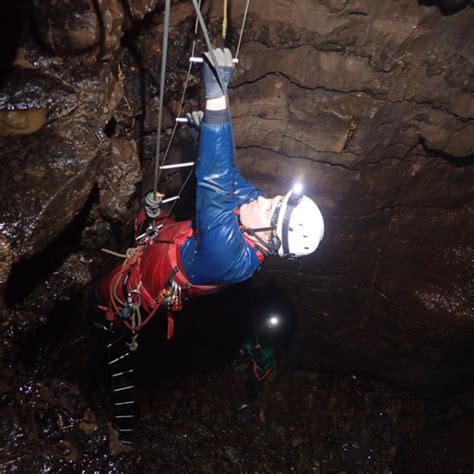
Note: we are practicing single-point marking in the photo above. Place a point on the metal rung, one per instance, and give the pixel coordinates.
(114, 342)
(124, 416)
(119, 358)
(174, 198)
(177, 165)
(123, 441)
(124, 403)
(123, 388)
(125, 430)
(118, 374)
(181, 120)
(194, 59)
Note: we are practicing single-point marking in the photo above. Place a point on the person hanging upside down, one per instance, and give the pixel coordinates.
(235, 229)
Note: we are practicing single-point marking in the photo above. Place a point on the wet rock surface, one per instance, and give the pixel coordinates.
(300, 422)
(373, 108)
(372, 103)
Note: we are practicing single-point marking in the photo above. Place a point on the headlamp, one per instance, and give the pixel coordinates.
(297, 188)
(296, 194)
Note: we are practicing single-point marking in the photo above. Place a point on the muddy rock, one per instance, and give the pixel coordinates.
(139, 8)
(29, 98)
(21, 122)
(6, 260)
(117, 185)
(79, 27)
(378, 124)
(55, 185)
(31, 309)
(371, 104)
(111, 12)
(67, 26)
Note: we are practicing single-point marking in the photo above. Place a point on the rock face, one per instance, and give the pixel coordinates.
(370, 103)
(372, 106)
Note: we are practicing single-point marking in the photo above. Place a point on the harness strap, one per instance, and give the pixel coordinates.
(257, 369)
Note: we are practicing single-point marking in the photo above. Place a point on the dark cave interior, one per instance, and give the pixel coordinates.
(374, 105)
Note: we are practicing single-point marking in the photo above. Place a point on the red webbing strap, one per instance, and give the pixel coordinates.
(258, 377)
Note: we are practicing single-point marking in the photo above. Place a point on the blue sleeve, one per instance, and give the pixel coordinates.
(218, 253)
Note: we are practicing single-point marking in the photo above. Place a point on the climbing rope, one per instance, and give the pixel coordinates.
(181, 103)
(242, 28)
(164, 54)
(199, 22)
(224, 20)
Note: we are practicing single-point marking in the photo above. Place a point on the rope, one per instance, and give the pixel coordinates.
(116, 254)
(224, 20)
(164, 54)
(242, 28)
(181, 190)
(183, 97)
(199, 21)
(219, 76)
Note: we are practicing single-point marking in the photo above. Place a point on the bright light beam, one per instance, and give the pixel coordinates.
(297, 188)
(274, 320)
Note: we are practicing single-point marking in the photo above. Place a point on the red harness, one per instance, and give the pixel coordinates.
(147, 275)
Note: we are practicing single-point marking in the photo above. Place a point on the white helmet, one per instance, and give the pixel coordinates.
(299, 225)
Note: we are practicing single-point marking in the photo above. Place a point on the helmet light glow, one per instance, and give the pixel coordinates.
(274, 321)
(297, 188)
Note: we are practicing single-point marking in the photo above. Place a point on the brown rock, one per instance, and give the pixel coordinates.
(56, 170)
(67, 26)
(118, 179)
(21, 122)
(139, 8)
(370, 105)
(111, 12)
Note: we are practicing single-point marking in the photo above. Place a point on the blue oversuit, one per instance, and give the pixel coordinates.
(218, 254)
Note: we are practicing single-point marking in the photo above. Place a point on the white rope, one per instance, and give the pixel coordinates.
(242, 28)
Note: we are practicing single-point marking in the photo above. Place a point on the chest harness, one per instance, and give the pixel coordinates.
(135, 288)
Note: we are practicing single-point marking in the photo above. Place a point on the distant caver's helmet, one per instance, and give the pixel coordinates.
(299, 225)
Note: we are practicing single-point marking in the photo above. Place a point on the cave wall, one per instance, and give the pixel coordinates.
(370, 103)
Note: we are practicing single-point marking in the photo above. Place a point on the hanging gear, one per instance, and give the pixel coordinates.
(151, 278)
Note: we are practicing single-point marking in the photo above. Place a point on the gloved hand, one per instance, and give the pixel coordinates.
(194, 122)
(209, 74)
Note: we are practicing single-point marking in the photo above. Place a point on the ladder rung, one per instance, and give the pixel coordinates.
(124, 403)
(124, 416)
(174, 198)
(118, 374)
(123, 388)
(177, 165)
(119, 358)
(181, 120)
(114, 342)
(199, 60)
